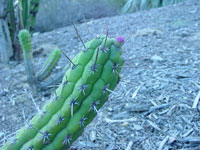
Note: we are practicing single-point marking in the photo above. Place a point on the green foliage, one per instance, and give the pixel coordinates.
(35, 80)
(29, 11)
(84, 89)
(21, 15)
(136, 5)
(26, 44)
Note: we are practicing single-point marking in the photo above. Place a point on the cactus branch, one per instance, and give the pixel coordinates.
(26, 44)
(51, 81)
(35, 82)
(49, 65)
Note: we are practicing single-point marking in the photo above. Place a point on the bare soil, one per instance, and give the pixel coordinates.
(155, 105)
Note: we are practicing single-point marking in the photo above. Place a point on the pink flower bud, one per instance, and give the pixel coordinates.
(120, 39)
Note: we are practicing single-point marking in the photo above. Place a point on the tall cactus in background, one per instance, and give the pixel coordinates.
(93, 74)
(29, 11)
(6, 49)
(20, 15)
(11, 20)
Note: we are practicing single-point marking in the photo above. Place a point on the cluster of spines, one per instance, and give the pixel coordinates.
(82, 92)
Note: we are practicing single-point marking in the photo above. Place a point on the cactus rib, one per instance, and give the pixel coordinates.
(84, 89)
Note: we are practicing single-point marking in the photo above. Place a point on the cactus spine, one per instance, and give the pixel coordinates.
(84, 89)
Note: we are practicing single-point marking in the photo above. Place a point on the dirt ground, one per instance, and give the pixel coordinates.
(156, 104)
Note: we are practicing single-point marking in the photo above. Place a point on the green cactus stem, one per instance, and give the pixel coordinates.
(11, 20)
(49, 65)
(26, 44)
(29, 11)
(25, 10)
(34, 7)
(33, 80)
(84, 89)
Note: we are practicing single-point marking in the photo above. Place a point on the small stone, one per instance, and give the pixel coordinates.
(148, 31)
(156, 58)
(3, 118)
(184, 34)
(2, 134)
(93, 135)
(110, 109)
(125, 124)
(137, 127)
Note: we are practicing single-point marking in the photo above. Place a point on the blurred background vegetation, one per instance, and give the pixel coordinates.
(47, 15)
(59, 13)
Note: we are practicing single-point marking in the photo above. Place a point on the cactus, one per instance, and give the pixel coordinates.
(34, 7)
(35, 80)
(25, 40)
(6, 49)
(11, 20)
(18, 15)
(84, 89)
(49, 65)
(29, 11)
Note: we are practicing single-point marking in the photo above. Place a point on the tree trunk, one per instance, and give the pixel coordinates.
(6, 50)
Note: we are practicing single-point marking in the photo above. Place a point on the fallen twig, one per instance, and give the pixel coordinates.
(119, 121)
(196, 100)
(154, 108)
(163, 142)
(136, 91)
(190, 141)
(155, 126)
(130, 144)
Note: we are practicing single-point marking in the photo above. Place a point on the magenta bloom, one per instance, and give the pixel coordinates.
(120, 39)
